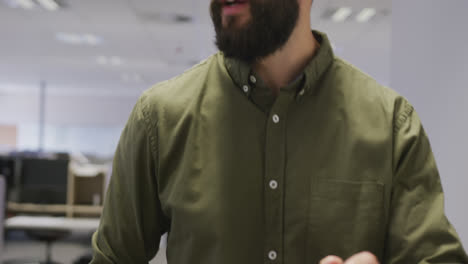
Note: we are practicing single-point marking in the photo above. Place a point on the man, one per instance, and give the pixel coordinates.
(274, 151)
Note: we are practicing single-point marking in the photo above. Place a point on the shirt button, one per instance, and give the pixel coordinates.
(276, 119)
(273, 184)
(272, 255)
(245, 88)
(253, 79)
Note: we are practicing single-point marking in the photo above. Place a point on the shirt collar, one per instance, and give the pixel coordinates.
(244, 78)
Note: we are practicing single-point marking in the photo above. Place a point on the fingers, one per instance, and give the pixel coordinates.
(362, 258)
(331, 260)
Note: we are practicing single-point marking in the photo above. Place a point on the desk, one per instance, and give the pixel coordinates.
(50, 223)
(24, 208)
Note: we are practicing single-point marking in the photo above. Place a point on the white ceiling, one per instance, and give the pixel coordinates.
(150, 46)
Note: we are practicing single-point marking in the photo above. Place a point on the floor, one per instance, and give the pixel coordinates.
(66, 251)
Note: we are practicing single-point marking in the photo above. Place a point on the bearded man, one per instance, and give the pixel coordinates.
(274, 151)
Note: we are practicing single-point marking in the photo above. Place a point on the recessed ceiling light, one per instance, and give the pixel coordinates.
(102, 60)
(91, 39)
(165, 18)
(69, 38)
(115, 61)
(25, 4)
(342, 14)
(136, 78)
(50, 5)
(78, 39)
(366, 14)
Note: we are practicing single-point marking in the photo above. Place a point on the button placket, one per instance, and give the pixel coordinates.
(275, 158)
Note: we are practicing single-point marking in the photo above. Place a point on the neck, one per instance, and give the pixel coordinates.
(285, 65)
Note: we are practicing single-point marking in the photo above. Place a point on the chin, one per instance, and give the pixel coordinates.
(233, 22)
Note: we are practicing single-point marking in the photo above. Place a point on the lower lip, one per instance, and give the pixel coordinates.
(235, 9)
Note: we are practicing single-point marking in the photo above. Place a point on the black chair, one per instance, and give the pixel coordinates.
(45, 236)
(84, 259)
(8, 168)
(48, 237)
(2, 211)
(43, 181)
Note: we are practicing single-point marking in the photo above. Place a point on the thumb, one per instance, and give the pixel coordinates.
(362, 258)
(331, 260)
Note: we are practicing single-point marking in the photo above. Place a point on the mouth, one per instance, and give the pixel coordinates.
(233, 2)
(234, 7)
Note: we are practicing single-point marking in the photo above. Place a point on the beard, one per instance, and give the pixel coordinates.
(271, 24)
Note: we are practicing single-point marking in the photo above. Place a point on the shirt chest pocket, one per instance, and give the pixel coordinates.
(344, 218)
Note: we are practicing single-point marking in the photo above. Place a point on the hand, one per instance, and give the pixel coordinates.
(360, 258)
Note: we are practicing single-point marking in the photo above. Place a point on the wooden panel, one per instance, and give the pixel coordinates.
(54, 209)
(83, 209)
(36, 208)
(88, 190)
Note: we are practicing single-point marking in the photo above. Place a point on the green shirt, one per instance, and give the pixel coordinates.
(335, 164)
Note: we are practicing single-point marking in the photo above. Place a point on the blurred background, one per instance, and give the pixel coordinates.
(71, 71)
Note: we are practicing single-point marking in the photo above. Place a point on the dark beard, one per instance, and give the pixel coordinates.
(272, 23)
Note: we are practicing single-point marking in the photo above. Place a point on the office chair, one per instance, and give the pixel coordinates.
(2, 212)
(43, 181)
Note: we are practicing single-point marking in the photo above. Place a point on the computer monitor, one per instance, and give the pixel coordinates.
(43, 181)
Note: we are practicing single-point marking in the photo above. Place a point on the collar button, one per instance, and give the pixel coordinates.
(253, 79)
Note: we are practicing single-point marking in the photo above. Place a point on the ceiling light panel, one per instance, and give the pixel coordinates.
(135, 78)
(50, 5)
(78, 39)
(102, 60)
(91, 39)
(25, 4)
(112, 60)
(69, 38)
(342, 14)
(115, 61)
(365, 15)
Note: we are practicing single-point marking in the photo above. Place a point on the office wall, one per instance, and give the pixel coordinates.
(370, 51)
(72, 109)
(89, 123)
(430, 67)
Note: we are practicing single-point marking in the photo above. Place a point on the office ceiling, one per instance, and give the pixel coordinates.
(152, 39)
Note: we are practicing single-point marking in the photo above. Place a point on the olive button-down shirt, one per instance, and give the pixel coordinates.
(334, 164)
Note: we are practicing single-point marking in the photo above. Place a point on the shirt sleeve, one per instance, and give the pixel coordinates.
(132, 221)
(418, 230)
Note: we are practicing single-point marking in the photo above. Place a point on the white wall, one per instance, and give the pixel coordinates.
(89, 123)
(430, 67)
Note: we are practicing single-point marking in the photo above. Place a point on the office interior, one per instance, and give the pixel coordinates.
(71, 72)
